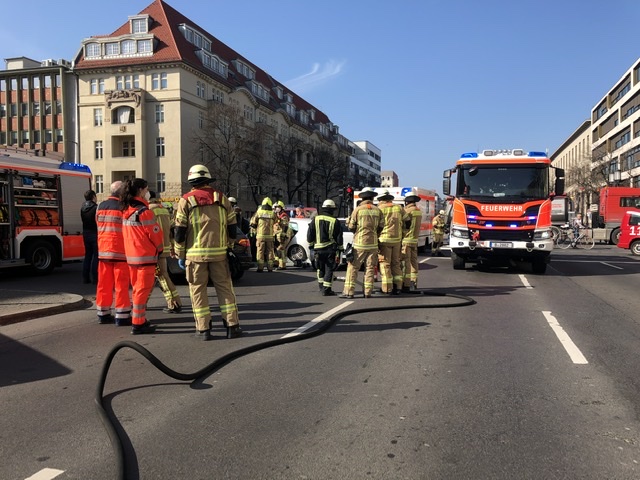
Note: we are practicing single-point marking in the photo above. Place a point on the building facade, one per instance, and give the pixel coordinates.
(145, 94)
(389, 178)
(38, 107)
(365, 165)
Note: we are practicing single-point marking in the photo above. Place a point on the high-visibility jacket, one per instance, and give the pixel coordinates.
(110, 239)
(280, 226)
(143, 237)
(438, 224)
(204, 215)
(324, 232)
(263, 221)
(365, 223)
(412, 220)
(392, 222)
(163, 217)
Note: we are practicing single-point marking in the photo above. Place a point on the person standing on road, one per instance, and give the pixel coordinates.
(325, 237)
(391, 244)
(242, 222)
(143, 242)
(262, 223)
(438, 224)
(412, 220)
(113, 271)
(89, 237)
(280, 230)
(205, 225)
(365, 223)
(169, 290)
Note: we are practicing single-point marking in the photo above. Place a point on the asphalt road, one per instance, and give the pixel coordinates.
(537, 379)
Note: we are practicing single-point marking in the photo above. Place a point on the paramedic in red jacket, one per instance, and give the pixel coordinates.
(143, 240)
(113, 272)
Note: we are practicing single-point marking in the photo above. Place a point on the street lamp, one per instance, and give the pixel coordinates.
(615, 178)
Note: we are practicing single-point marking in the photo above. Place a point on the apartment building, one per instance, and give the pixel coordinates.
(38, 107)
(615, 130)
(144, 91)
(366, 164)
(389, 178)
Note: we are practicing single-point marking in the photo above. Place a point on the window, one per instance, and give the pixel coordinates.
(126, 82)
(93, 86)
(3, 85)
(36, 108)
(59, 136)
(47, 108)
(92, 50)
(47, 81)
(160, 113)
(36, 136)
(3, 110)
(248, 112)
(35, 81)
(200, 119)
(97, 148)
(129, 148)
(161, 185)
(160, 147)
(112, 48)
(58, 107)
(25, 83)
(13, 110)
(123, 115)
(3, 138)
(139, 25)
(101, 85)
(144, 46)
(158, 81)
(48, 138)
(97, 117)
(128, 46)
(25, 136)
(13, 137)
(99, 185)
(14, 83)
(24, 109)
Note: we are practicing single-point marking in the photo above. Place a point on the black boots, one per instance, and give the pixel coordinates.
(234, 332)
(146, 327)
(204, 335)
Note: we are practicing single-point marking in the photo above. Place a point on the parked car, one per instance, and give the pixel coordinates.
(298, 250)
(241, 248)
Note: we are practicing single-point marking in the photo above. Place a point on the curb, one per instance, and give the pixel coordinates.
(44, 311)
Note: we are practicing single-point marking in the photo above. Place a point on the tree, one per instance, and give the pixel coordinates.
(287, 153)
(330, 171)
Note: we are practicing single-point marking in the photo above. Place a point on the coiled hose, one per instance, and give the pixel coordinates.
(115, 439)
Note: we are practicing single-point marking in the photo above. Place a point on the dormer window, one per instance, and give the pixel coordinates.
(139, 24)
(289, 98)
(112, 48)
(312, 114)
(245, 70)
(279, 92)
(92, 50)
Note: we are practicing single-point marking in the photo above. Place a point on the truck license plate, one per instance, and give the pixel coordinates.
(501, 245)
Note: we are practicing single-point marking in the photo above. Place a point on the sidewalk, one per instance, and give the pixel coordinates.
(19, 305)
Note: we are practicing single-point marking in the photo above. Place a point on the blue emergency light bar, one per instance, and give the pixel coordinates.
(78, 167)
(516, 152)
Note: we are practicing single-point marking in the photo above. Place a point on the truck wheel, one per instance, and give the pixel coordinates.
(615, 236)
(41, 257)
(538, 267)
(457, 260)
(635, 247)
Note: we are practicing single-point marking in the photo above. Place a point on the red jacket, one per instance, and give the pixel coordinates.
(143, 238)
(110, 239)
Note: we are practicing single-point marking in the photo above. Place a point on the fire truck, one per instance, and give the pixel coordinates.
(501, 212)
(614, 203)
(630, 232)
(40, 200)
(427, 205)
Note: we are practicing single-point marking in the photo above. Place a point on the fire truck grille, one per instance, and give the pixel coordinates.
(506, 235)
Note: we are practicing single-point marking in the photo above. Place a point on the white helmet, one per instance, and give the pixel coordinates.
(199, 174)
(233, 200)
(441, 212)
(328, 203)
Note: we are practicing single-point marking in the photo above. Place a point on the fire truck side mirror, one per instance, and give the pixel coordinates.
(559, 185)
(446, 183)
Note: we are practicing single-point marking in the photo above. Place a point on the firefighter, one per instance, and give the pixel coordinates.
(262, 224)
(439, 224)
(325, 237)
(280, 234)
(365, 223)
(412, 220)
(391, 244)
(143, 242)
(242, 222)
(169, 290)
(113, 271)
(205, 225)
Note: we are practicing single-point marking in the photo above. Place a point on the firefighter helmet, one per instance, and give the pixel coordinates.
(233, 200)
(267, 201)
(441, 212)
(386, 195)
(411, 198)
(199, 174)
(367, 193)
(280, 204)
(328, 203)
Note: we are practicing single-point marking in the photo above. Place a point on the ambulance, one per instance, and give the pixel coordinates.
(427, 205)
(40, 200)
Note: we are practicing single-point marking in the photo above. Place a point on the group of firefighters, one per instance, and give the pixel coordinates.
(136, 235)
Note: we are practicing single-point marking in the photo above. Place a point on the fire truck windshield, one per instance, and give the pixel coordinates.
(508, 184)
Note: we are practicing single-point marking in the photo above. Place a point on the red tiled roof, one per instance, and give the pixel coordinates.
(172, 46)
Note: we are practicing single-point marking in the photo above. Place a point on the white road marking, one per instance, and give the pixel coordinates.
(316, 320)
(612, 266)
(45, 474)
(424, 260)
(524, 281)
(574, 352)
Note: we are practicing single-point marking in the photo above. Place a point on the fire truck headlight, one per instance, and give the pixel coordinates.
(460, 233)
(542, 235)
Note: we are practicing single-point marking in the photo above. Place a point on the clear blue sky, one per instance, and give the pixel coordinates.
(424, 80)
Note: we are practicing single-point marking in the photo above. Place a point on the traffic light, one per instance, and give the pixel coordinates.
(348, 193)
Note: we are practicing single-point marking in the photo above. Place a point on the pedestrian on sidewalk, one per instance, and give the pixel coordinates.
(89, 237)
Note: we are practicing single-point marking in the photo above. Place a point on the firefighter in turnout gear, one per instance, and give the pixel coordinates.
(169, 290)
(412, 219)
(280, 234)
(143, 242)
(262, 223)
(391, 244)
(205, 225)
(325, 237)
(439, 225)
(365, 223)
(113, 271)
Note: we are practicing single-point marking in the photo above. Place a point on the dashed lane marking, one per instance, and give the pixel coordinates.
(524, 281)
(45, 474)
(317, 320)
(612, 266)
(574, 352)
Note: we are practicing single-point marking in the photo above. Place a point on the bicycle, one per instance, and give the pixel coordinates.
(567, 239)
